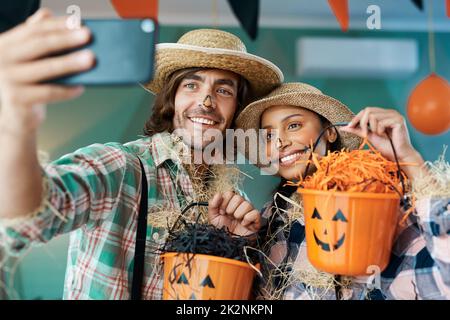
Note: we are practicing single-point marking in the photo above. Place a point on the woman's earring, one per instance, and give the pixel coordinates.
(207, 102)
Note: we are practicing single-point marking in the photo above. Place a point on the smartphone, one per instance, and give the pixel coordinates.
(124, 53)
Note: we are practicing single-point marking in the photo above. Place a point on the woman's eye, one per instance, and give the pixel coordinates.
(269, 136)
(294, 125)
(224, 91)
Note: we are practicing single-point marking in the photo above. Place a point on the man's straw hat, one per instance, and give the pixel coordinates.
(209, 48)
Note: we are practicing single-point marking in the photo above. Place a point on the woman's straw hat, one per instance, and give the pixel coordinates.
(305, 96)
(209, 48)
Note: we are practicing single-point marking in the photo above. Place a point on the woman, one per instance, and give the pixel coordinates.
(294, 115)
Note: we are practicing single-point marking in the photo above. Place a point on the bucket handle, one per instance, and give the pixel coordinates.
(194, 204)
(181, 220)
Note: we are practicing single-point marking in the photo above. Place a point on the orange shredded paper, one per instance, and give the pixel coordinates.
(362, 170)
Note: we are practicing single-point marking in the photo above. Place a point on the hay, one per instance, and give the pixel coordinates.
(434, 181)
(206, 182)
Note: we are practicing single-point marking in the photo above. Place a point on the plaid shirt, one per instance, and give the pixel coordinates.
(95, 192)
(419, 266)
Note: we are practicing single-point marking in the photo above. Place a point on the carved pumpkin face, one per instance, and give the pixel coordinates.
(205, 283)
(323, 231)
(205, 277)
(346, 232)
(193, 286)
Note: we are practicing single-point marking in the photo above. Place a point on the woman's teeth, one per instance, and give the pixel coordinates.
(202, 121)
(291, 157)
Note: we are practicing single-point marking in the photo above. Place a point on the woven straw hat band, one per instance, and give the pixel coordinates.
(213, 39)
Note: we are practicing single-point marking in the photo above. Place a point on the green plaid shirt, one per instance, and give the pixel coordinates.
(95, 194)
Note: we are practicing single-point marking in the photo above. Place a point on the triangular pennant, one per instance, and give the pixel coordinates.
(14, 12)
(340, 10)
(418, 4)
(182, 279)
(136, 9)
(207, 282)
(247, 12)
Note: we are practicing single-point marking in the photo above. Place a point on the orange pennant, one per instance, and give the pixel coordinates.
(135, 9)
(340, 10)
(448, 8)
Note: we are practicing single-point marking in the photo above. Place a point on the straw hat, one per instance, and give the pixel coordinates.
(305, 96)
(209, 48)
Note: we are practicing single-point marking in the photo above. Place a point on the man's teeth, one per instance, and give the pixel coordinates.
(290, 157)
(202, 121)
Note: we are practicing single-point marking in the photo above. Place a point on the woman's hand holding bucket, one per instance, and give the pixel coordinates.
(375, 124)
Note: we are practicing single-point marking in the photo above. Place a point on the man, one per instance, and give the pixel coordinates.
(200, 82)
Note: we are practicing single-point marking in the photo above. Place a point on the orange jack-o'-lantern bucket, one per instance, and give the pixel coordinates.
(349, 233)
(204, 277)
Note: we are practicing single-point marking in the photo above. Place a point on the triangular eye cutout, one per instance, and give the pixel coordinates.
(183, 279)
(339, 216)
(192, 297)
(316, 215)
(207, 282)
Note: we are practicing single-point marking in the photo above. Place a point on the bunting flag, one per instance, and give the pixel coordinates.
(136, 9)
(247, 12)
(448, 8)
(340, 10)
(14, 12)
(418, 4)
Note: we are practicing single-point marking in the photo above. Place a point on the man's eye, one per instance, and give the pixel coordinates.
(190, 85)
(269, 136)
(294, 126)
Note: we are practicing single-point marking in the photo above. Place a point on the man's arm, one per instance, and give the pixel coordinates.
(24, 67)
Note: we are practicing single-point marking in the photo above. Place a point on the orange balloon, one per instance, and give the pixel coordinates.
(429, 105)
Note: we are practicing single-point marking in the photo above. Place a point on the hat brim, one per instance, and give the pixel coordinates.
(262, 74)
(328, 107)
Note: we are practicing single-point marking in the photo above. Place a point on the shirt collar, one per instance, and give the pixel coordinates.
(166, 146)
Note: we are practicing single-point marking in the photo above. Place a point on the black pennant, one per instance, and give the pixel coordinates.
(14, 12)
(247, 12)
(418, 4)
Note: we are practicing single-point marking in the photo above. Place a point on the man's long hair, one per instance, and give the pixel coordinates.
(164, 107)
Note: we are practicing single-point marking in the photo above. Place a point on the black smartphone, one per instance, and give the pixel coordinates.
(124, 53)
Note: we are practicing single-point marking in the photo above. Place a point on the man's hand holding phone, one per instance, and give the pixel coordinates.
(27, 64)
